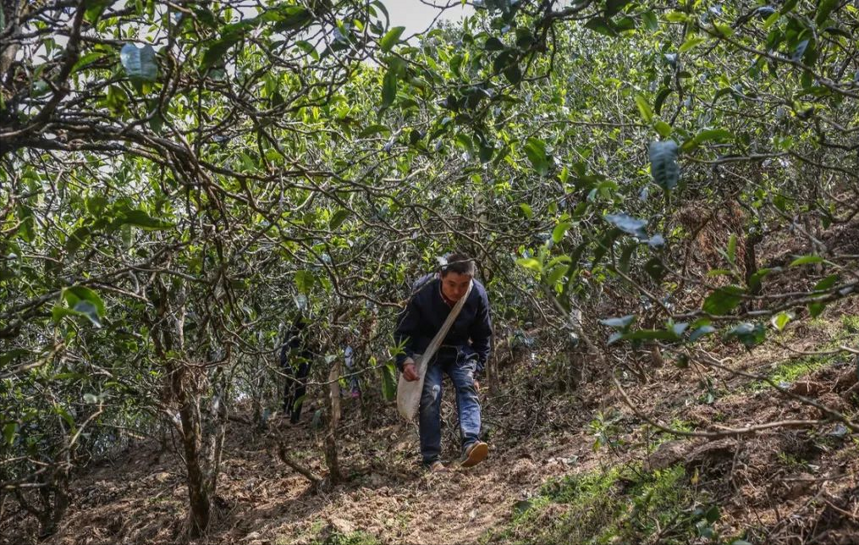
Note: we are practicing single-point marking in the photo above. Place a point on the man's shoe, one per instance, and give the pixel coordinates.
(475, 454)
(437, 467)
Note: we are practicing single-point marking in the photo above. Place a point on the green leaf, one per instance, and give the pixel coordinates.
(628, 224)
(81, 301)
(287, 18)
(700, 332)
(205, 16)
(663, 129)
(788, 6)
(710, 135)
(77, 239)
(85, 60)
(139, 218)
(816, 309)
(771, 20)
(513, 73)
(389, 87)
(806, 260)
(530, 263)
(12, 355)
(626, 257)
(494, 44)
(139, 64)
(559, 259)
(712, 514)
(663, 164)
(750, 335)
(156, 123)
(601, 26)
(304, 282)
(732, 248)
(389, 382)
(526, 209)
(11, 427)
(381, 7)
(825, 8)
(723, 30)
(660, 99)
(535, 149)
(559, 231)
(613, 7)
(215, 53)
(76, 294)
(373, 130)
(780, 320)
(619, 323)
(64, 414)
(94, 10)
(556, 274)
(650, 20)
(691, 43)
(644, 108)
(755, 279)
(338, 218)
(391, 38)
(90, 398)
(655, 269)
(826, 283)
(723, 300)
(464, 142)
(308, 48)
(676, 17)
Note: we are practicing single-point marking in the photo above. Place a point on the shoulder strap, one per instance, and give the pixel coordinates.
(442, 332)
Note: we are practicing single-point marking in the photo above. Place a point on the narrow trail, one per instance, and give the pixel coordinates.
(140, 496)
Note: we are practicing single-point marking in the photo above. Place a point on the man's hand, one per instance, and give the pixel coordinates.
(410, 371)
(476, 386)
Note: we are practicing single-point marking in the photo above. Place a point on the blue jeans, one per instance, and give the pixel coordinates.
(461, 372)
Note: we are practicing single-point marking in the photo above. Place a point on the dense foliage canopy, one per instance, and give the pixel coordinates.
(179, 177)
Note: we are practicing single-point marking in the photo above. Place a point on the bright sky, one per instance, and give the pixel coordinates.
(416, 16)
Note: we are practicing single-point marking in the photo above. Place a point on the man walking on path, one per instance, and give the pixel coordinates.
(462, 354)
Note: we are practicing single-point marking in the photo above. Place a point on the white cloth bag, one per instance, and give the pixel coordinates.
(409, 392)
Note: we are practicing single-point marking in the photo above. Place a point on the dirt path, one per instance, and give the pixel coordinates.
(137, 498)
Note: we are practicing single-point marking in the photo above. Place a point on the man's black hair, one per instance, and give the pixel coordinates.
(459, 263)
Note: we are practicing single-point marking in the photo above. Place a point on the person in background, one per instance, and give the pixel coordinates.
(295, 361)
(354, 385)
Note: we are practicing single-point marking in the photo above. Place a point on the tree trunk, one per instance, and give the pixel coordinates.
(214, 433)
(201, 441)
(189, 413)
(334, 474)
(9, 31)
(53, 502)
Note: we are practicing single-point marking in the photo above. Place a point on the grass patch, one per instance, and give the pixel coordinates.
(850, 325)
(354, 538)
(620, 505)
(321, 533)
(657, 436)
(791, 370)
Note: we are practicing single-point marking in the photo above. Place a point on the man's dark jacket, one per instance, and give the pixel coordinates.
(427, 311)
